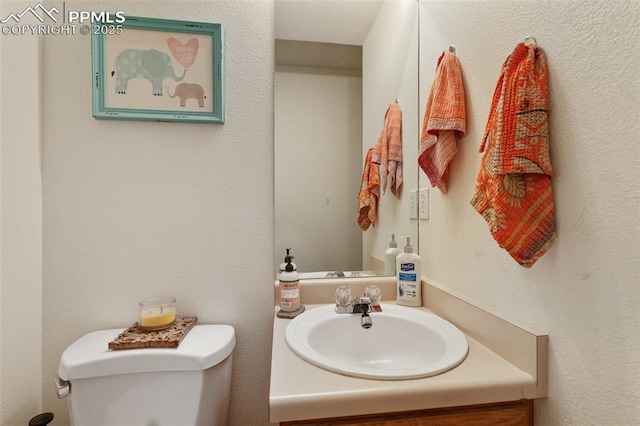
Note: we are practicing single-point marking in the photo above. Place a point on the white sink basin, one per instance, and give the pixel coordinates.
(403, 343)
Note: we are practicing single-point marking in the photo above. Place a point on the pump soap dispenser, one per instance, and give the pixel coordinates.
(390, 256)
(283, 265)
(409, 277)
(289, 292)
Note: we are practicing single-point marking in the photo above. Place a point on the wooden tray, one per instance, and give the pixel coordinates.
(135, 337)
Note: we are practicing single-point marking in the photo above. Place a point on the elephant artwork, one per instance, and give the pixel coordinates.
(188, 91)
(151, 65)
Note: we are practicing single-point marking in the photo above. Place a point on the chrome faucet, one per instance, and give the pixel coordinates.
(359, 305)
(364, 308)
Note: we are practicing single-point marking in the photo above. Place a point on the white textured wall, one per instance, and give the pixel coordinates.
(138, 209)
(318, 144)
(390, 72)
(584, 292)
(20, 228)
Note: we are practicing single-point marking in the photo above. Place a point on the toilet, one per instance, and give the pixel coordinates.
(187, 385)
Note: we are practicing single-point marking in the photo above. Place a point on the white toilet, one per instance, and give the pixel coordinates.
(187, 385)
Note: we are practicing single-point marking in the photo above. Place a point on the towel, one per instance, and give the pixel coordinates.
(513, 190)
(444, 121)
(388, 151)
(369, 192)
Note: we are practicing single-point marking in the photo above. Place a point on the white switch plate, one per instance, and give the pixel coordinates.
(413, 204)
(423, 203)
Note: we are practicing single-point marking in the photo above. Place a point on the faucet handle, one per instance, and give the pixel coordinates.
(373, 292)
(343, 295)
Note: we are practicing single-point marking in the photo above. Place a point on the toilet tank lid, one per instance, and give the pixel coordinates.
(204, 346)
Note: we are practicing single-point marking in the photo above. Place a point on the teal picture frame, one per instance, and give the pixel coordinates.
(158, 70)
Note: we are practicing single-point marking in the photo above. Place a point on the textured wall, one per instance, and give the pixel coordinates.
(584, 292)
(137, 209)
(20, 229)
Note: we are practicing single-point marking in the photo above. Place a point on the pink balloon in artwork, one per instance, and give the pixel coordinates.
(186, 53)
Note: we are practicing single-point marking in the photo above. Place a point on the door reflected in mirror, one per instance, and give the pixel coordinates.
(334, 80)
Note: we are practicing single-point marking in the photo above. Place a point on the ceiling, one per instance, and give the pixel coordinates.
(327, 21)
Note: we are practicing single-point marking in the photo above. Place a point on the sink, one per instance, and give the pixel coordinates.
(403, 343)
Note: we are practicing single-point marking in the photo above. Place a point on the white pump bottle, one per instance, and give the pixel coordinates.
(409, 277)
(390, 256)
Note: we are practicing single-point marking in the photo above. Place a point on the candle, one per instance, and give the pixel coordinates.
(157, 313)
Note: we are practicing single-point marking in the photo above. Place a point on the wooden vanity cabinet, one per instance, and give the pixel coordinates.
(515, 413)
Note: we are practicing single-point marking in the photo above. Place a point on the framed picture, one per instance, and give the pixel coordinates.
(158, 70)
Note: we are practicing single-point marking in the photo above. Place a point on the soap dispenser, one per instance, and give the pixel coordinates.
(289, 288)
(283, 265)
(409, 277)
(390, 256)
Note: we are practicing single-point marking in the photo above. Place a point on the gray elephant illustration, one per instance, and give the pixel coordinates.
(151, 64)
(188, 91)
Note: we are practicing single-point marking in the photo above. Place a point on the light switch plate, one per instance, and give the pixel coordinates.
(413, 204)
(423, 204)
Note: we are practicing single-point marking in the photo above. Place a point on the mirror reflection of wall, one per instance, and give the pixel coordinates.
(318, 134)
(339, 64)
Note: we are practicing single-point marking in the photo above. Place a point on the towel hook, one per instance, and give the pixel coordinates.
(452, 49)
(397, 101)
(530, 40)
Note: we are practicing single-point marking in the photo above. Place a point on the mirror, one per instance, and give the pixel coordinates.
(340, 64)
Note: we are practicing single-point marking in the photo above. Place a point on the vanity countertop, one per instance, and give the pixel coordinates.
(300, 390)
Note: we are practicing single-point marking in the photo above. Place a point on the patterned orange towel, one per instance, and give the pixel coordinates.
(388, 151)
(444, 121)
(369, 192)
(513, 190)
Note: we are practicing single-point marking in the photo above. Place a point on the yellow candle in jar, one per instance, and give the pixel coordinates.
(158, 318)
(157, 313)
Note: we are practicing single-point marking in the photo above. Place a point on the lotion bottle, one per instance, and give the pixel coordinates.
(409, 277)
(390, 256)
(289, 288)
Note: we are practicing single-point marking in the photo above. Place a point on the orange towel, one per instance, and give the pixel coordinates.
(444, 121)
(513, 190)
(369, 192)
(388, 151)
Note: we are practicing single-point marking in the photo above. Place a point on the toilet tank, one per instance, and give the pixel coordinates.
(187, 385)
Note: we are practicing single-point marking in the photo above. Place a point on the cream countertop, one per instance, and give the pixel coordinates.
(300, 390)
